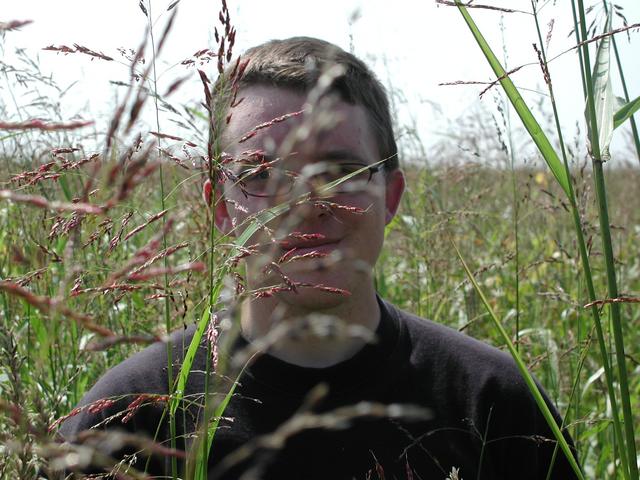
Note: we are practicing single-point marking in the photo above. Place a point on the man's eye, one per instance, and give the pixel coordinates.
(349, 168)
(263, 175)
(250, 176)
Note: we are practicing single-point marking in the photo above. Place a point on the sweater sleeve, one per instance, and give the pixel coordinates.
(479, 389)
(121, 420)
(519, 440)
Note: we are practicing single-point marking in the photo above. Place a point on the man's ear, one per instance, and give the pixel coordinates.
(215, 198)
(393, 193)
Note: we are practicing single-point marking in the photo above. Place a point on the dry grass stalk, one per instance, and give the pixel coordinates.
(145, 224)
(37, 124)
(13, 25)
(49, 305)
(55, 206)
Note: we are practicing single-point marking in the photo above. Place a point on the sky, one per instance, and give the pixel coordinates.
(414, 46)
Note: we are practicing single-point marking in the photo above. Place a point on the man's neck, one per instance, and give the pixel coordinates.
(312, 338)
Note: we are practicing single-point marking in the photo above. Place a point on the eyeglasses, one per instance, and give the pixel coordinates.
(272, 181)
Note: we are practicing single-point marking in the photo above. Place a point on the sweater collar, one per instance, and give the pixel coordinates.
(368, 363)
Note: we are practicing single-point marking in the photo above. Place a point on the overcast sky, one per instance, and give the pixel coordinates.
(413, 45)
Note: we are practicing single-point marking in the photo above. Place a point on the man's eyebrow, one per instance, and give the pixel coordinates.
(339, 155)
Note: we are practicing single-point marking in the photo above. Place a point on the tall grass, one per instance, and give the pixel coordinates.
(600, 115)
(104, 251)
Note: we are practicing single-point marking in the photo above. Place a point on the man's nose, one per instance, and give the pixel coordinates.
(313, 180)
(307, 196)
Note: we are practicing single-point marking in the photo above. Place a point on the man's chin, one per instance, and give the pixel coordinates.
(315, 298)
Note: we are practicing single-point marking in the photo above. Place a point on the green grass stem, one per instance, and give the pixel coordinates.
(586, 265)
(530, 123)
(167, 311)
(605, 232)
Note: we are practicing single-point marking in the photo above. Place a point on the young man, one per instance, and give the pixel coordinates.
(344, 385)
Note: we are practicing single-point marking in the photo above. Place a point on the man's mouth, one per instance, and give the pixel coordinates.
(307, 245)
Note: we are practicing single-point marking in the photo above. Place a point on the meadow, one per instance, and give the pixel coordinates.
(104, 250)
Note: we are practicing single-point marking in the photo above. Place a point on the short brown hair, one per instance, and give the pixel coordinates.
(298, 62)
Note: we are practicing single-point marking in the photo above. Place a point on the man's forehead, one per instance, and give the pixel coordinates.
(267, 115)
(259, 105)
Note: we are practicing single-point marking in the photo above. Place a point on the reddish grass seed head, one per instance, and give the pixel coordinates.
(268, 124)
(300, 236)
(274, 267)
(156, 272)
(42, 202)
(324, 288)
(141, 400)
(72, 413)
(145, 224)
(212, 335)
(267, 292)
(58, 151)
(37, 124)
(243, 253)
(331, 206)
(13, 25)
(287, 256)
(305, 256)
(239, 283)
(160, 255)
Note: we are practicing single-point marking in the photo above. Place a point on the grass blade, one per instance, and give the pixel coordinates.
(634, 127)
(217, 413)
(530, 123)
(603, 94)
(261, 219)
(626, 112)
(605, 231)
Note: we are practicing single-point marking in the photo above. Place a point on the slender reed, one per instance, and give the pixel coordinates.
(605, 232)
(564, 180)
(167, 313)
(586, 266)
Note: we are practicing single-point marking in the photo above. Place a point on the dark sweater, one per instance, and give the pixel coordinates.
(483, 420)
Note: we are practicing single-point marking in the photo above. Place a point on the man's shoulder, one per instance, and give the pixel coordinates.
(439, 348)
(149, 367)
(142, 377)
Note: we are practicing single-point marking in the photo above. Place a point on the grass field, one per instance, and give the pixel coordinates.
(82, 287)
(49, 360)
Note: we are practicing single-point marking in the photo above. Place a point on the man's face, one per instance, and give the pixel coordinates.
(350, 224)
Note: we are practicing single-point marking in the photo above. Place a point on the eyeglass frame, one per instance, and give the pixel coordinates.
(372, 169)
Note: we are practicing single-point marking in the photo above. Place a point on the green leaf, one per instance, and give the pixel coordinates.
(603, 93)
(11, 135)
(185, 369)
(626, 112)
(530, 123)
(198, 113)
(217, 414)
(41, 333)
(65, 188)
(589, 433)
